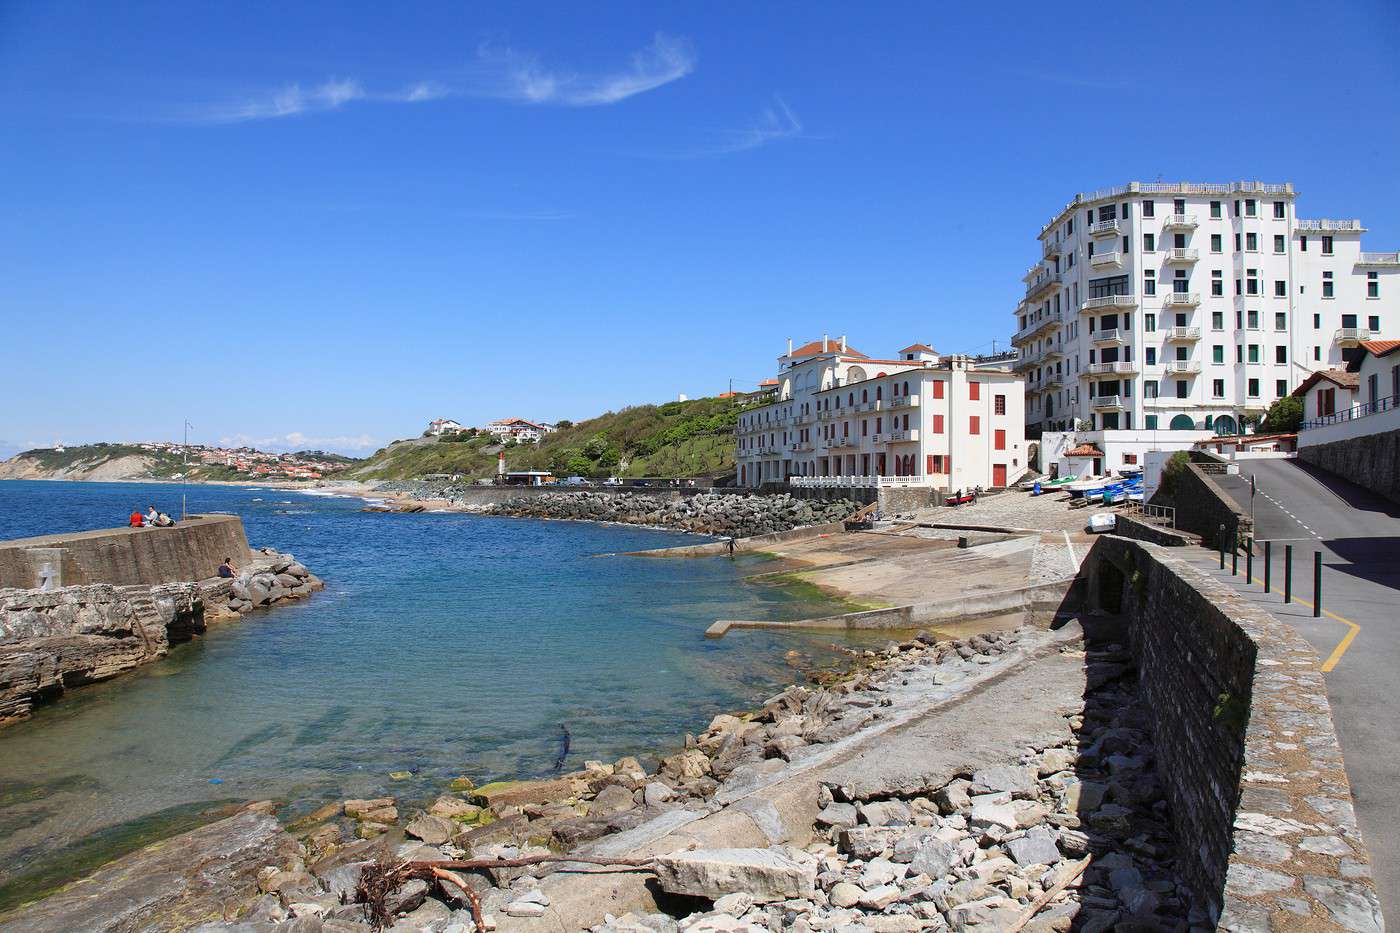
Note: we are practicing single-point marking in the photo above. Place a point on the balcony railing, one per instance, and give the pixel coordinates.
(1183, 255)
(1181, 366)
(1183, 333)
(1122, 367)
(1353, 335)
(1331, 226)
(1052, 352)
(1109, 335)
(1181, 300)
(1379, 259)
(1106, 259)
(1179, 222)
(1109, 301)
(895, 437)
(858, 482)
(1107, 401)
(842, 443)
(1104, 228)
(1043, 285)
(1054, 379)
(1050, 319)
(1027, 362)
(827, 414)
(1365, 409)
(1050, 248)
(904, 401)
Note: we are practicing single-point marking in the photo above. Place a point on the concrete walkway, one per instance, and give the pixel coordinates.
(1358, 632)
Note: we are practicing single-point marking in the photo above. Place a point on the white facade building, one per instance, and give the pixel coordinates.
(524, 432)
(839, 416)
(1191, 307)
(441, 426)
(1374, 406)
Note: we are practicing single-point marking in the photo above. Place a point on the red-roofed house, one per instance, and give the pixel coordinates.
(524, 432)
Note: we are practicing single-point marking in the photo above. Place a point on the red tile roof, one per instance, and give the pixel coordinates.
(918, 346)
(1338, 377)
(1085, 450)
(1380, 347)
(832, 346)
(768, 382)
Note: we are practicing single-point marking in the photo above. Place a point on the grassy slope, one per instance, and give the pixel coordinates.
(689, 438)
(163, 463)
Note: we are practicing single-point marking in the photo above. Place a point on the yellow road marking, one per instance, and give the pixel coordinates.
(1342, 645)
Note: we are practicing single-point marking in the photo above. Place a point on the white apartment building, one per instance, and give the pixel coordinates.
(1191, 307)
(524, 432)
(917, 419)
(440, 426)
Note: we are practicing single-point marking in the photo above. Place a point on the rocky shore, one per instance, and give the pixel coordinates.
(54, 640)
(706, 513)
(1065, 829)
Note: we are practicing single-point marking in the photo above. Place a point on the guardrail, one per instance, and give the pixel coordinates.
(1355, 412)
(856, 482)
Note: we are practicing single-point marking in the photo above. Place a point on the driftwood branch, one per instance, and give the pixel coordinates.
(473, 899)
(1050, 895)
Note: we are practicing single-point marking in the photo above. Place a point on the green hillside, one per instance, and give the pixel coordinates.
(690, 438)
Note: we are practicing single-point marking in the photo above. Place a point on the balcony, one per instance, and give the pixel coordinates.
(800, 447)
(1110, 335)
(896, 437)
(1183, 255)
(1102, 402)
(1052, 353)
(1109, 301)
(1053, 380)
(1051, 319)
(1390, 260)
(1181, 300)
(1044, 286)
(768, 451)
(1183, 333)
(1099, 260)
(843, 443)
(1029, 361)
(1181, 366)
(1120, 368)
(1105, 228)
(1351, 336)
(827, 414)
(904, 401)
(1050, 249)
(1179, 222)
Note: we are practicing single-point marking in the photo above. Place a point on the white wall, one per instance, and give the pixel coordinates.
(1345, 430)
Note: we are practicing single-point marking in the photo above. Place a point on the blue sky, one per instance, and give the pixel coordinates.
(324, 225)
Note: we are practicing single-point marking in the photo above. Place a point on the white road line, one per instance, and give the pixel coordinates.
(1074, 560)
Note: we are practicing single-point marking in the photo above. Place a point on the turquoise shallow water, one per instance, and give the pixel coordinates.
(444, 644)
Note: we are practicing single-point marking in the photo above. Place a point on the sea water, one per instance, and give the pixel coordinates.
(444, 644)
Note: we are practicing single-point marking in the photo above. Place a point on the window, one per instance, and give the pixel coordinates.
(1280, 320)
(974, 424)
(1327, 246)
(1215, 210)
(1317, 321)
(974, 390)
(1151, 356)
(1252, 388)
(1149, 388)
(1373, 285)
(937, 424)
(1317, 353)
(1254, 352)
(1217, 354)
(1109, 285)
(1239, 353)
(1348, 320)
(1217, 320)
(1149, 243)
(1302, 244)
(999, 405)
(1280, 288)
(1281, 356)
(1181, 388)
(1251, 284)
(1373, 323)
(930, 463)
(1127, 248)
(1251, 242)
(1216, 244)
(1280, 387)
(1217, 284)
(1326, 285)
(1179, 240)
(1278, 210)
(1149, 322)
(1238, 244)
(1279, 246)
(1179, 206)
(1149, 208)
(998, 439)
(1251, 208)
(1217, 388)
(1149, 282)
(1253, 319)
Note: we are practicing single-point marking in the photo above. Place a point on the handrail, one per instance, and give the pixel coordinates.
(1354, 413)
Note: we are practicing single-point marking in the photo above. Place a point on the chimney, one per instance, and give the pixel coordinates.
(843, 343)
(789, 353)
(825, 341)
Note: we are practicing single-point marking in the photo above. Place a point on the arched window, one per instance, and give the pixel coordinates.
(1225, 426)
(850, 398)
(864, 396)
(879, 393)
(1183, 423)
(906, 388)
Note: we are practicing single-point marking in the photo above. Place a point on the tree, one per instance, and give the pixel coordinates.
(563, 424)
(1285, 416)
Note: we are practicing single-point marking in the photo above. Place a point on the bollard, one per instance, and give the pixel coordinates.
(1268, 564)
(1221, 539)
(1249, 561)
(1317, 584)
(1288, 573)
(1235, 557)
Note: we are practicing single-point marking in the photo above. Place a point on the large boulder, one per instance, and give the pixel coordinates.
(775, 874)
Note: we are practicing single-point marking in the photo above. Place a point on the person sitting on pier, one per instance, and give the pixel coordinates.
(164, 521)
(152, 516)
(227, 570)
(135, 521)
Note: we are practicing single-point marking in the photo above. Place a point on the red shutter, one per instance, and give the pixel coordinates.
(1000, 442)
(974, 423)
(938, 388)
(938, 419)
(974, 390)
(930, 463)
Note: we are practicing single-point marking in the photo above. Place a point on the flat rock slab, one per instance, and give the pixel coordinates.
(775, 874)
(206, 874)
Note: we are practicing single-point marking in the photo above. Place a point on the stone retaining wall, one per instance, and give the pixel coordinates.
(1371, 460)
(192, 550)
(1140, 529)
(1202, 507)
(1246, 748)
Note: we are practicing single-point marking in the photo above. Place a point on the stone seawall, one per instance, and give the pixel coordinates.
(191, 550)
(1202, 507)
(1371, 460)
(1139, 528)
(1245, 746)
(734, 516)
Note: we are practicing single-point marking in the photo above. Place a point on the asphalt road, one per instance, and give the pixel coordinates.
(1358, 535)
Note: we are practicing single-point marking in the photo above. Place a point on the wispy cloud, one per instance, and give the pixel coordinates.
(499, 73)
(508, 74)
(775, 122)
(296, 440)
